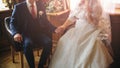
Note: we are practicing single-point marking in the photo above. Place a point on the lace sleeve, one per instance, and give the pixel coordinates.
(100, 19)
(105, 34)
(73, 14)
(105, 25)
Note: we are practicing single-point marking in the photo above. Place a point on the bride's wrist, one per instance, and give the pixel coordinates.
(63, 26)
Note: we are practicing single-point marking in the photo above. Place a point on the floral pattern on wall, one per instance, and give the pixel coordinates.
(54, 6)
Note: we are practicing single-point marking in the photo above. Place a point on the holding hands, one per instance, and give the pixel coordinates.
(60, 29)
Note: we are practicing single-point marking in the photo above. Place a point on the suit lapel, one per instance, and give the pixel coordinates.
(38, 9)
(26, 10)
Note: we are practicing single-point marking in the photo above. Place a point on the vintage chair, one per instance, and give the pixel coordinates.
(13, 49)
(18, 48)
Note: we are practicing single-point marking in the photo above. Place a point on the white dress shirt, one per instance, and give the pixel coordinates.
(29, 7)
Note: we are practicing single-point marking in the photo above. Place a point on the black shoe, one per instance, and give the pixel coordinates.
(40, 66)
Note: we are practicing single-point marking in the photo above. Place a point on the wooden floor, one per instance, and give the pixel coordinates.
(6, 60)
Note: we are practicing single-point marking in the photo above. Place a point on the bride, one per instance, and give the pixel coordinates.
(87, 45)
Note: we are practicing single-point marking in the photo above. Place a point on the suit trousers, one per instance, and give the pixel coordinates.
(29, 43)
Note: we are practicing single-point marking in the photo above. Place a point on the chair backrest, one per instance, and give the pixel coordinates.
(16, 45)
(7, 22)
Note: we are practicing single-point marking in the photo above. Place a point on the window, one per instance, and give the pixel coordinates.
(117, 3)
(2, 5)
(110, 6)
(7, 4)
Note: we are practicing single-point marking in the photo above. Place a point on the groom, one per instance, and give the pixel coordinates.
(30, 26)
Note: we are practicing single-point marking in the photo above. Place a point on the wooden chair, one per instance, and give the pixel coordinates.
(13, 49)
(12, 46)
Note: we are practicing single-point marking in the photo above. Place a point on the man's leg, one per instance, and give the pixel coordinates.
(29, 52)
(47, 47)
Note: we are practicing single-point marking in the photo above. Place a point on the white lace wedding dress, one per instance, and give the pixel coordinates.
(81, 46)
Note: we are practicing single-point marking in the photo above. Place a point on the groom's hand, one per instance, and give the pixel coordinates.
(18, 38)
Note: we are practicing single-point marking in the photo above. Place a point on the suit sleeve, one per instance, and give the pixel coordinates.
(13, 21)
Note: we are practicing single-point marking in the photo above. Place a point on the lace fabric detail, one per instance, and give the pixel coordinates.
(100, 21)
(77, 14)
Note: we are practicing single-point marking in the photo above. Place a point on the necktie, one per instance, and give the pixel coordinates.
(33, 11)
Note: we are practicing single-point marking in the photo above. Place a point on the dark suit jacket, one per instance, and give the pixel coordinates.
(22, 21)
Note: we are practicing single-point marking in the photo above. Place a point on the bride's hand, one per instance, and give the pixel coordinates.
(60, 29)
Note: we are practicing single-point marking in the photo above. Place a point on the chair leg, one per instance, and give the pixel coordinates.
(38, 53)
(21, 59)
(12, 54)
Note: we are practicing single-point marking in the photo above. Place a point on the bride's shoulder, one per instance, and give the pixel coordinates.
(78, 9)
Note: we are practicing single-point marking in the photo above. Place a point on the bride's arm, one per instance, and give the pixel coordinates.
(63, 27)
(67, 23)
(70, 20)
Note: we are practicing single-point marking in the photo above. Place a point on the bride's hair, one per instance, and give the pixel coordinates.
(97, 16)
(94, 11)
